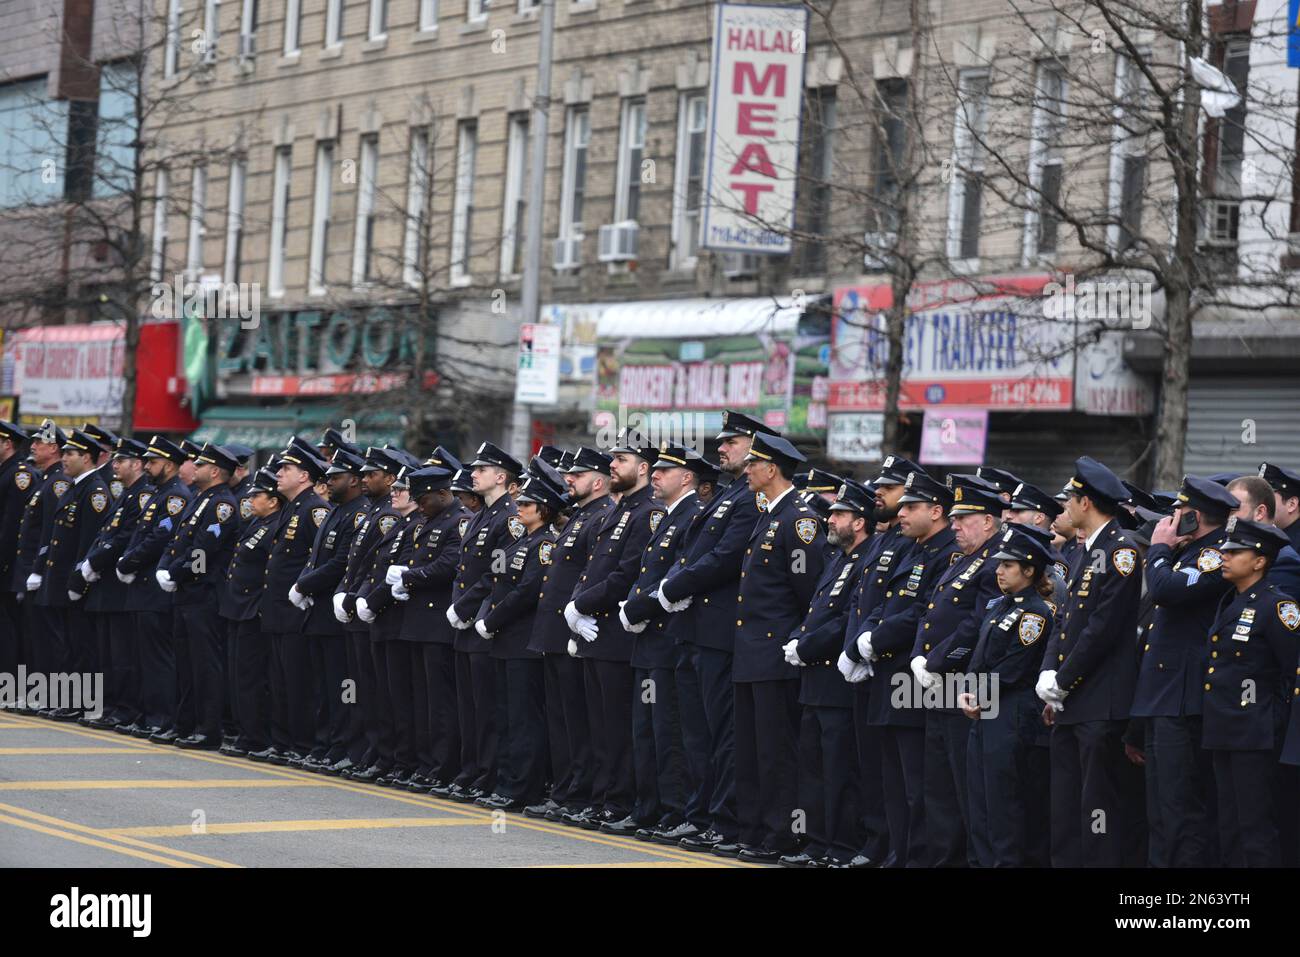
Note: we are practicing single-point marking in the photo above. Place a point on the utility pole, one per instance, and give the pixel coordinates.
(521, 415)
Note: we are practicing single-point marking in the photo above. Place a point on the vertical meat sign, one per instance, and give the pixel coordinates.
(754, 108)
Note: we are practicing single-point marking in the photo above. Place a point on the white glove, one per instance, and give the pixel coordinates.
(845, 664)
(33, 582)
(860, 673)
(791, 649)
(1047, 688)
(296, 598)
(627, 625)
(87, 572)
(164, 580)
(340, 612)
(572, 648)
(864, 646)
(400, 592)
(571, 616)
(74, 596)
(394, 574)
(587, 628)
(926, 678)
(456, 622)
(481, 627)
(364, 612)
(125, 579)
(672, 606)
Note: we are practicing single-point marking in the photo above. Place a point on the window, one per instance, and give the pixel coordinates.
(627, 202)
(462, 213)
(965, 195)
(418, 179)
(158, 254)
(692, 116)
(333, 23)
(378, 19)
(577, 136)
(248, 29)
(428, 15)
(292, 26)
(115, 154)
(363, 249)
(818, 146)
(526, 5)
(211, 29)
(1225, 147)
(279, 219)
(82, 125)
(515, 202)
(31, 131)
(884, 208)
(198, 208)
(320, 217)
(235, 220)
(172, 44)
(1128, 164)
(477, 10)
(1046, 160)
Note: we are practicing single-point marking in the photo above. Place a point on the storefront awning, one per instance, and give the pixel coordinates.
(270, 428)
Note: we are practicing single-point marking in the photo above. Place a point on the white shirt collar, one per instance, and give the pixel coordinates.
(772, 503)
(680, 499)
(1087, 545)
(84, 475)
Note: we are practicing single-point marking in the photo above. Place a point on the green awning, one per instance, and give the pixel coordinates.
(265, 428)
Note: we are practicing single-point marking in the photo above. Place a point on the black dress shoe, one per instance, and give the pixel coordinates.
(577, 818)
(704, 841)
(595, 820)
(103, 722)
(858, 861)
(556, 814)
(490, 800)
(264, 755)
(796, 860)
(284, 758)
(758, 855)
(145, 731)
(369, 775)
(230, 751)
(465, 795)
(164, 737)
(440, 789)
(126, 728)
(623, 828)
(726, 849)
(499, 802)
(66, 714)
(340, 767)
(540, 810)
(198, 742)
(673, 836)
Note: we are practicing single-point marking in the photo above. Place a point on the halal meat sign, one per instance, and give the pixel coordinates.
(756, 89)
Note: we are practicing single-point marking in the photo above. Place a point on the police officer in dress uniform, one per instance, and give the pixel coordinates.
(602, 644)
(1286, 487)
(491, 533)
(1089, 674)
(313, 592)
(152, 606)
(943, 645)
(1184, 581)
(239, 604)
(1032, 506)
(505, 622)
(196, 561)
(1249, 662)
(587, 477)
(47, 620)
(830, 787)
(13, 499)
(1004, 799)
(783, 562)
(662, 780)
(702, 590)
(293, 713)
(423, 581)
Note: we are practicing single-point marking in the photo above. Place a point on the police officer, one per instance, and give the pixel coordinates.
(943, 644)
(1184, 580)
(490, 533)
(423, 582)
(1088, 676)
(1286, 488)
(587, 477)
(152, 606)
(107, 442)
(1005, 712)
(884, 644)
(13, 499)
(238, 604)
(107, 596)
(293, 713)
(1032, 506)
(662, 781)
(197, 560)
(783, 561)
(505, 622)
(1249, 663)
(704, 587)
(829, 782)
(47, 445)
(241, 483)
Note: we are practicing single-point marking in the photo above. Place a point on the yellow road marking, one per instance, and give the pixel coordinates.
(32, 826)
(633, 864)
(270, 827)
(162, 784)
(104, 750)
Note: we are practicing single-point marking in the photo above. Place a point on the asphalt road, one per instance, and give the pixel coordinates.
(72, 796)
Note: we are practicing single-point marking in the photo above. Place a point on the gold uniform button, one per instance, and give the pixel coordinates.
(1214, 654)
(1060, 657)
(1207, 686)
(1211, 671)
(739, 622)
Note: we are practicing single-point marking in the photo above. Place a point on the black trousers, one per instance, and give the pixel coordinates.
(1248, 831)
(252, 697)
(1089, 821)
(1005, 787)
(521, 685)
(476, 708)
(1179, 794)
(11, 628)
(101, 660)
(717, 696)
(205, 634)
(662, 780)
(442, 760)
(124, 665)
(829, 783)
(182, 719)
(157, 666)
(609, 715)
(767, 763)
(875, 826)
(409, 699)
(568, 731)
(292, 714)
(359, 701)
(383, 705)
(54, 649)
(902, 761)
(944, 787)
(695, 737)
(329, 670)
